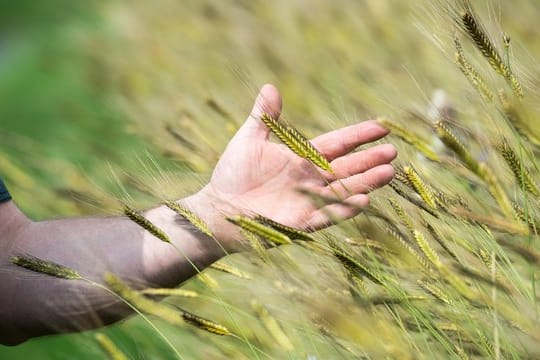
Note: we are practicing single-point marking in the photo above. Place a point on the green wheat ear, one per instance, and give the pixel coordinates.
(470, 72)
(451, 141)
(204, 324)
(426, 248)
(522, 175)
(189, 216)
(435, 291)
(420, 187)
(272, 326)
(45, 267)
(486, 47)
(256, 228)
(296, 142)
(352, 265)
(226, 268)
(292, 233)
(146, 224)
(170, 292)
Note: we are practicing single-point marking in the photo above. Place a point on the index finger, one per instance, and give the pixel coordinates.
(342, 141)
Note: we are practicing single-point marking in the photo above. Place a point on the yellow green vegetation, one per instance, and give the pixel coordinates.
(455, 270)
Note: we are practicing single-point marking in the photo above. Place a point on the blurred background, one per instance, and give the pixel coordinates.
(94, 94)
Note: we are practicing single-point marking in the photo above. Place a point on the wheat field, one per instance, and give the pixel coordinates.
(445, 261)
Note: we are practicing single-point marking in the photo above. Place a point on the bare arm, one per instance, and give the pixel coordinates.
(253, 175)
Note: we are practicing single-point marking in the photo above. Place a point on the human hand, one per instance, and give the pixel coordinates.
(257, 176)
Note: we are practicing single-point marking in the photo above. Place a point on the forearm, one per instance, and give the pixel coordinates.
(34, 304)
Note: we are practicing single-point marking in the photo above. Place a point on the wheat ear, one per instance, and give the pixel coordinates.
(428, 251)
(146, 224)
(272, 326)
(527, 217)
(413, 200)
(352, 265)
(496, 189)
(189, 216)
(522, 175)
(493, 222)
(486, 47)
(420, 187)
(405, 219)
(45, 267)
(170, 292)
(470, 72)
(399, 237)
(259, 229)
(296, 142)
(204, 324)
(435, 291)
(452, 142)
(256, 244)
(220, 266)
(438, 237)
(292, 233)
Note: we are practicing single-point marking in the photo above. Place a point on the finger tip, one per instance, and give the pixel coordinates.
(390, 151)
(374, 129)
(359, 200)
(386, 172)
(269, 101)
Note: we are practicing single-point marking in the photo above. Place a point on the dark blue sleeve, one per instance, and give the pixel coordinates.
(4, 194)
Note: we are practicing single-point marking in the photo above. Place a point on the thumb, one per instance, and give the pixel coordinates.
(268, 102)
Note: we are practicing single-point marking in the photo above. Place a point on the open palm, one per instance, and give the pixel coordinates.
(257, 176)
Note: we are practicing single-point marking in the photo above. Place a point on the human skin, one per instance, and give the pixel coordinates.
(253, 176)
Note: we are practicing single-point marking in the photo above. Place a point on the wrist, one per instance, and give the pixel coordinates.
(13, 223)
(213, 211)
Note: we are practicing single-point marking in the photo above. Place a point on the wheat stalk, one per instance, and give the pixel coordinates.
(409, 138)
(109, 347)
(162, 311)
(515, 119)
